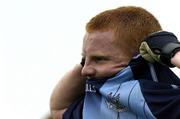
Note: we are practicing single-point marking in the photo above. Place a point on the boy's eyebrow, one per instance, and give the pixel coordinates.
(101, 55)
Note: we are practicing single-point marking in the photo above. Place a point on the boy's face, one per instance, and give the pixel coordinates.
(102, 57)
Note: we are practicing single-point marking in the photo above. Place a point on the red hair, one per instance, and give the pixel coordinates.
(130, 25)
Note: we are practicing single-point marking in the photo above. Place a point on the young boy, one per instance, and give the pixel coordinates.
(113, 81)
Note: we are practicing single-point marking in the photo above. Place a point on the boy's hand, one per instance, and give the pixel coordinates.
(160, 47)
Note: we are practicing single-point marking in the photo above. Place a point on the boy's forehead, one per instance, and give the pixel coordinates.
(100, 35)
(100, 43)
(98, 40)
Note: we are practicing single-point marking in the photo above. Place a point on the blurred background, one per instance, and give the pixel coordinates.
(40, 40)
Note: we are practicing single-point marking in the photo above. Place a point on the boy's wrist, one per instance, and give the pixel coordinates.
(168, 52)
(175, 60)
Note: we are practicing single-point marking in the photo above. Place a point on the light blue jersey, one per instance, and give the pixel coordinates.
(119, 97)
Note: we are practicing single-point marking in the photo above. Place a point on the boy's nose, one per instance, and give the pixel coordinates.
(88, 71)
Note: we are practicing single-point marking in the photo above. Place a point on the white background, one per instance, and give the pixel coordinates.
(41, 39)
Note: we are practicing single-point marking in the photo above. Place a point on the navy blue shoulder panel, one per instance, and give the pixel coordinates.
(165, 75)
(74, 111)
(162, 99)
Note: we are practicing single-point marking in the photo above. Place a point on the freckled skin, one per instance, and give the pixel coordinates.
(102, 57)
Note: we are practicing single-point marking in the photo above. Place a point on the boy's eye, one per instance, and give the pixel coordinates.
(97, 59)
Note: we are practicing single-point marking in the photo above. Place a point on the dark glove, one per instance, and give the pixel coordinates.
(160, 47)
